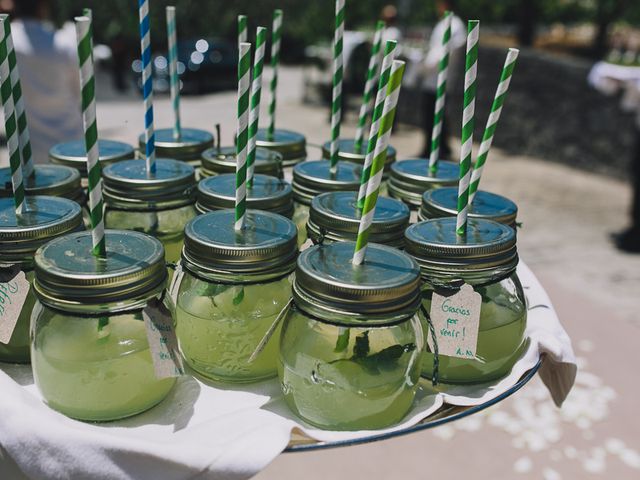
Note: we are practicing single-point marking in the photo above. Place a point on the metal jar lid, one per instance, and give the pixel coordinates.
(126, 184)
(385, 288)
(443, 202)
(311, 178)
(223, 160)
(267, 245)
(189, 146)
(267, 193)
(346, 151)
(54, 180)
(74, 154)
(43, 218)
(70, 278)
(292, 145)
(335, 216)
(409, 179)
(488, 246)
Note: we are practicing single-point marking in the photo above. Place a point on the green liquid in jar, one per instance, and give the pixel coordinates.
(300, 217)
(501, 342)
(354, 388)
(93, 373)
(17, 350)
(219, 326)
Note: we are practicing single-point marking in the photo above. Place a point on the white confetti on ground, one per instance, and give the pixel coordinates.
(550, 474)
(523, 465)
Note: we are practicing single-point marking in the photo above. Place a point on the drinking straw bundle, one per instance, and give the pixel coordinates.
(11, 126)
(244, 63)
(275, 60)
(336, 96)
(174, 81)
(147, 87)
(389, 56)
(373, 72)
(256, 90)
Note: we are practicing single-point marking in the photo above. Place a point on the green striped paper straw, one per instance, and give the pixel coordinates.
(21, 116)
(242, 29)
(87, 83)
(174, 81)
(244, 63)
(441, 93)
(492, 121)
(256, 90)
(336, 96)
(369, 87)
(276, 33)
(377, 168)
(387, 61)
(11, 127)
(468, 122)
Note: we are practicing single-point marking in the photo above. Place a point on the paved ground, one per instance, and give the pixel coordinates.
(567, 217)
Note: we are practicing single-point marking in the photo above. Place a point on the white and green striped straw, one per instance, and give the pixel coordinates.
(11, 127)
(276, 33)
(89, 121)
(387, 61)
(492, 121)
(174, 80)
(242, 29)
(468, 122)
(377, 169)
(26, 153)
(336, 96)
(441, 93)
(256, 90)
(369, 87)
(244, 64)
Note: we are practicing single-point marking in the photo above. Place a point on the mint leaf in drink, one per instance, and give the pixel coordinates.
(237, 300)
(361, 348)
(343, 340)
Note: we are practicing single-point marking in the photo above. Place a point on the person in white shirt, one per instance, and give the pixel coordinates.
(389, 16)
(47, 59)
(430, 73)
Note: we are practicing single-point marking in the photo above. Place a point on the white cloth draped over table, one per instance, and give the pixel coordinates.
(202, 431)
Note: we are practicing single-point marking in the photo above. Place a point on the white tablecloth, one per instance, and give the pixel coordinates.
(213, 432)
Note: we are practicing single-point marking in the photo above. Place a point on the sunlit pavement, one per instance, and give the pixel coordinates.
(567, 216)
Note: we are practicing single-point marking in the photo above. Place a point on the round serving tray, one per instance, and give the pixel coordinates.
(446, 414)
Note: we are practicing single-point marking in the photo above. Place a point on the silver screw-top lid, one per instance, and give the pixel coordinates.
(347, 151)
(223, 160)
(443, 202)
(312, 178)
(385, 288)
(127, 185)
(292, 145)
(267, 245)
(335, 216)
(74, 153)
(488, 246)
(267, 193)
(189, 146)
(54, 180)
(70, 278)
(409, 179)
(43, 218)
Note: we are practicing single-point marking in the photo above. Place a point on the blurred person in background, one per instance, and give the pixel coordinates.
(48, 63)
(389, 16)
(629, 239)
(430, 74)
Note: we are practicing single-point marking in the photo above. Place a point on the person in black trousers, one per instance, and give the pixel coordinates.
(629, 239)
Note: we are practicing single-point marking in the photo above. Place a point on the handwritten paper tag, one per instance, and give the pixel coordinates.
(456, 321)
(14, 288)
(163, 342)
(175, 284)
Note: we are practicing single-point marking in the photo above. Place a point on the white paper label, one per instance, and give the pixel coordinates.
(456, 320)
(175, 284)
(14, 288)
(163, 342)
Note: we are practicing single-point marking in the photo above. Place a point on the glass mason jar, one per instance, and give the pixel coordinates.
(235, 284)
(487, 261)
(267, 193)
(410, 178)
(44, 218)
(335, 217)
(160, 205)
(187, 148)
(443, 202)
(351, 345)
(90, 354)
(216, 161)
(74, 154)
(291, 145)
(312, 178)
